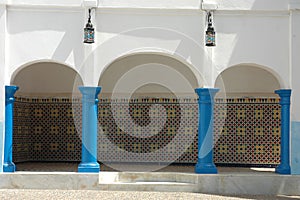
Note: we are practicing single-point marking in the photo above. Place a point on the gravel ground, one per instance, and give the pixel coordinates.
(111, 195)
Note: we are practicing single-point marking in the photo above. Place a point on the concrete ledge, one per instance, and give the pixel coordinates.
(72, 181)
(221, 184)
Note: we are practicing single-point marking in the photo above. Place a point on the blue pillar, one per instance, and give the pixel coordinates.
(89, 129)
(8, 165)
(205, 164)
(284, 166)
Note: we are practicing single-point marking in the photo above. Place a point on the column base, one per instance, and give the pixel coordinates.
(206, 168)
(93, 167)
(9, 167)
(283, 169)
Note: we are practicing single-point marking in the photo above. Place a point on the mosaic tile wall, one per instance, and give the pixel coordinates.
(251, 132)
(247, 131)
(44, 130)
(156, 124)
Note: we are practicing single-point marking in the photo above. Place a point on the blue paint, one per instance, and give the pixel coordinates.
(295, 153)
(284, 166)
(205, 163)
(89, 129)
(8, 165)
(1, 142)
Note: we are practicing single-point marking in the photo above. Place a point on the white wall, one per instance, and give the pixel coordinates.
(253, 5)
(44, 33)
(57, 33)
(253, 38)
(122, 33)
(295, 62)
(2, 59)
(252, 31)
(2, 75)
(295, 108)
(166, 4)
(244, 34)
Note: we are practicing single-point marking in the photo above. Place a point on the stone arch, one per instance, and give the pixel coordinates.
(46, 77)
(249, 80)
(132, 62)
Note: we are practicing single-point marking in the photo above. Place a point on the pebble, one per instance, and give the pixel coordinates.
(8, 194)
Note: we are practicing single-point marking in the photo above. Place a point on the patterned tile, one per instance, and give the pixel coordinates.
(246, 131)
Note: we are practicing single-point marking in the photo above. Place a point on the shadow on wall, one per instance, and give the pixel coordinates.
(46, 79)
(247, 81)
(149, 75)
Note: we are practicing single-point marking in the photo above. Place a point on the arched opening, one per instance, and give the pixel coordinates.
(247, 81)
(44, 129)
(251, 133)
(151, 68)
(148, 112)
(46, 79)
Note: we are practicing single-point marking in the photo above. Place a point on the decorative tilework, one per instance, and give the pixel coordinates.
(252, 128)
(46, 127)
(247, 131)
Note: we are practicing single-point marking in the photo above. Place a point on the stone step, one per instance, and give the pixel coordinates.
(147, 181)
(149, 186)
(131, 177)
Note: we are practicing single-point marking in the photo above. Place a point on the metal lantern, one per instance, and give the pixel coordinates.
(210, 34)
(89, 31)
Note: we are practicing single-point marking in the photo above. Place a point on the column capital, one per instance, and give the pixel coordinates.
(284, 95)
(206, 91)
(206, 95)
(284, 92)
(90, 94)
(89, 90)
(10, 91)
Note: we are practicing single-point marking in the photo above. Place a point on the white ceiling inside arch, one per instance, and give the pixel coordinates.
(247, 80)
(47, 79)
(160, 75)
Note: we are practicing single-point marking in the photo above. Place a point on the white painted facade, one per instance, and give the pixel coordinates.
(264, 34)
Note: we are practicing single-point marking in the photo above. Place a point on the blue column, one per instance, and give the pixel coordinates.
(284, 166)
(8, 165)
(89, 129)
(205, 164)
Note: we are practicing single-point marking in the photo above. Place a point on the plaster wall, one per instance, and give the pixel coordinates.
(2, 71)
(121, 31)
(295, 63)
(254, 5)
(295, 108)
(191, 4)
(253, 38)
(40, 34)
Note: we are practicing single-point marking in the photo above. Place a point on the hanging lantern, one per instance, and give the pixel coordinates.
(89, 32)
(210, 34)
